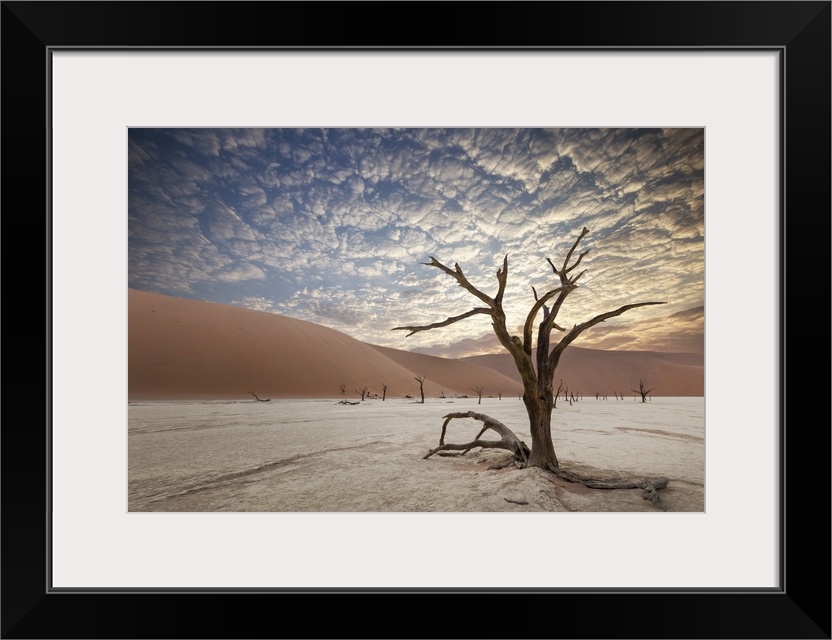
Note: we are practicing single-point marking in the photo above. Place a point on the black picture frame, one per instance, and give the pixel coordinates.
(799, 608)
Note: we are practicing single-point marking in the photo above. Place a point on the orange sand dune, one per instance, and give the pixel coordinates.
(452, 374)
(591, 371)
(189, 349)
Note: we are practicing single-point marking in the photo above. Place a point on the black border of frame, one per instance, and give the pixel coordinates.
(800, 31)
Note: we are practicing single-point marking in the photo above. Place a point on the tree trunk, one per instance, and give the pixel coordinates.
(540, 425)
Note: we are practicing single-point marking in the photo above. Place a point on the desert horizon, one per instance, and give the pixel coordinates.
(197, 350)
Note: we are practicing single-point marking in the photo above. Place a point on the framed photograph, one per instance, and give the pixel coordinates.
(278, 287)
(741, 91)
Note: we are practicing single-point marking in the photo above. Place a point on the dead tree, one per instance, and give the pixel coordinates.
(343, 389)
(260, 399)
(421, 381)
(642, 391)
(536, 372)
(383, 392)
(507, 439)
(442, 393)
(362, 392)
(478, 391)
(557, 393)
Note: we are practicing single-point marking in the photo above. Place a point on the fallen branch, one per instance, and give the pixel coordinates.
(260, 399)
(509, 441)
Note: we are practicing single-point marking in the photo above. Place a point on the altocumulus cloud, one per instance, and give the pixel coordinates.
(333, 225)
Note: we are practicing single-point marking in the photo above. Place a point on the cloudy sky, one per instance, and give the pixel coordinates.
(333, 225)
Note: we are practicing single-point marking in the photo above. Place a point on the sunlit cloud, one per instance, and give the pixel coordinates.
(333, 226)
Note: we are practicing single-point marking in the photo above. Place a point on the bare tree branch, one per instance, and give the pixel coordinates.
(502, 276)
(445, 323)
(527, 328)
(566, 268)
(456, 272)
(578, 329)
(577, 277)
(564, 271)
(577, 262)
(550, 320)
(554, 268)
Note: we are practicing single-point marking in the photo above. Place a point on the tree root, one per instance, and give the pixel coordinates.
(650, 487)
(509, 441)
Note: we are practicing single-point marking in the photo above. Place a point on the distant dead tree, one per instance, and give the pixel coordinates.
(343, 389)
(442, 393)
(383, 392)
(478, 391)
(556, 394)
(536, 377)
(642, 391)
(421, 381)
(260, 399)
(499, 395)
(362, 392)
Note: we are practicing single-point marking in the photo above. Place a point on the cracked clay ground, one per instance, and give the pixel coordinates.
(317, 456)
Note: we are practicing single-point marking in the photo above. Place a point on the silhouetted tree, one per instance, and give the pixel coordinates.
(478, 391)
(421, 381)
(642, 391)
(556, 394)
(343, 389)
(362, 392)
(383, 392)
(536, 376)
